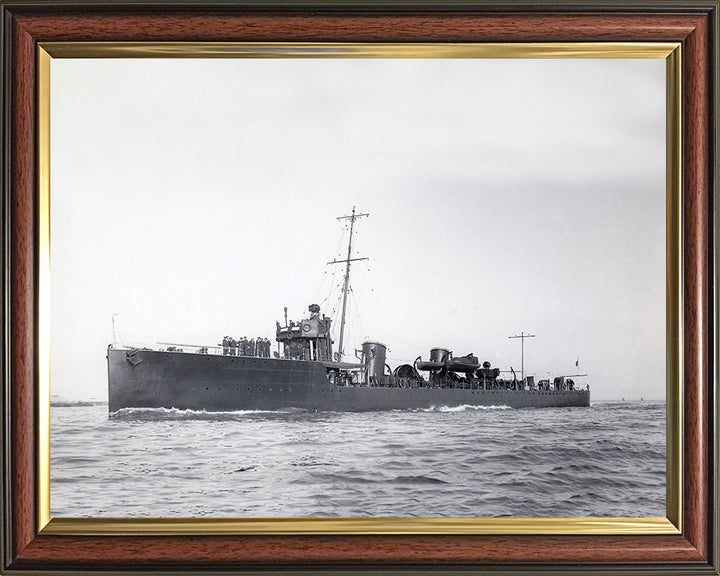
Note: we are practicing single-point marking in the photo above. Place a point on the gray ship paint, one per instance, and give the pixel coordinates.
(182, 380)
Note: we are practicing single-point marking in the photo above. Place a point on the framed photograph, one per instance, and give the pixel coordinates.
(359, 286)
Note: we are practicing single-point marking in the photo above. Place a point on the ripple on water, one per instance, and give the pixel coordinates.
(469, 461)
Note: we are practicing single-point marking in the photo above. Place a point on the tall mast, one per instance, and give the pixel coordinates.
(522, 337)
(346, 282)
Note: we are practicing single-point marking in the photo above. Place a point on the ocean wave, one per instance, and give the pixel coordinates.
(154, 414)
(358, 478)
(463, 408)
(525, 462)
(417, 479)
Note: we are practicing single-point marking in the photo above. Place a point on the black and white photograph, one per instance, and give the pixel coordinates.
(299, 287)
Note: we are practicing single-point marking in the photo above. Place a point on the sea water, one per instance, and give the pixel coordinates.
(603, 460)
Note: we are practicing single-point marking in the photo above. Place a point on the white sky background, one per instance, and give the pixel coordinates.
(196, 198)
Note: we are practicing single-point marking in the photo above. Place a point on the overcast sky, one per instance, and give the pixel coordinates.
(195, 198)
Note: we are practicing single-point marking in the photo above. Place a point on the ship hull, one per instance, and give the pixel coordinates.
(157, 379)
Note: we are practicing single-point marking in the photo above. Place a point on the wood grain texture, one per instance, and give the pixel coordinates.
(359, 28)
(44, 552)
(696, 199)
(358, 550)
(22, 283)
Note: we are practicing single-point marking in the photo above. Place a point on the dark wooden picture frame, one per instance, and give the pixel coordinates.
(27, 24)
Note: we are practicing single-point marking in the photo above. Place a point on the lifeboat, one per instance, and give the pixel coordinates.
(467, 363)
(428, 365)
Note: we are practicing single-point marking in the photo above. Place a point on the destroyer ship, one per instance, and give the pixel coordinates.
(306, 373)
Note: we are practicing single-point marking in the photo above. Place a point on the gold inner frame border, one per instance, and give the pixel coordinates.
(671, 524)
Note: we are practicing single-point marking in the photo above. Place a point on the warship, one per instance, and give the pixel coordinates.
(306, 373)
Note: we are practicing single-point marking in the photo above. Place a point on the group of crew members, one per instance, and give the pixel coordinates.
(259, 347)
